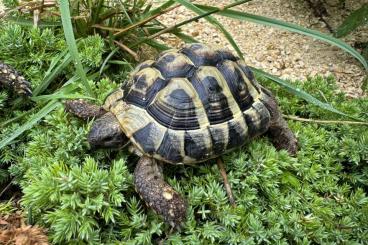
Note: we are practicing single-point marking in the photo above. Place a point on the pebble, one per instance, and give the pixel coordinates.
(280, 52)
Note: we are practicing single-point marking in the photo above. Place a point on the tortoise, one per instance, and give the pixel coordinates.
(12, 79)
(186, 107)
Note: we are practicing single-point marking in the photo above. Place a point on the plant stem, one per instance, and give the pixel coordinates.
(170, 28)
(144, 21)
(324, 121)
(125, 48)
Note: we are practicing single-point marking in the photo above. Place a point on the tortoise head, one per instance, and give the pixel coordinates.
(107, 133)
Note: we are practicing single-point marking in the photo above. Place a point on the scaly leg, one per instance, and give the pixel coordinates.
(83, 109)
(10, 78)
(158, 194)
(279, 132)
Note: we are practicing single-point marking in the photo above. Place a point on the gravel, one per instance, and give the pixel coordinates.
(285, 54)
(282, 53)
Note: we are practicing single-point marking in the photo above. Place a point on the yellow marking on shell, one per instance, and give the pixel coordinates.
(167, 195)
(205, 71)
(253, 113)
(251, 87)
(12, 76)
(183, 83)
(151, 75)
(138, 67)
(112, 100)
(171, 212)
(133, 119)
(179, 60)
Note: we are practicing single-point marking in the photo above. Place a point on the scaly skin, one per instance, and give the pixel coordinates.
(159, 195)
(83, 109)
(11, 79)
(279, 132)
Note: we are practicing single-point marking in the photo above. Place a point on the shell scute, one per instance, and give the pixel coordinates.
(173, 64)
(146, 84)
(197, 144)
(171, 146)
(176, 106)
(191, 105)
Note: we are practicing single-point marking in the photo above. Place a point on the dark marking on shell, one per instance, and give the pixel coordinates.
(175, 111)
(201, 55)
(141, 94)
(145, 137)
(218, 137)
(213, 99)
(249, 74)
(237, 134)
(194, 145)
(170, 147)
(226, 55)
(236, 83)
(174, 65)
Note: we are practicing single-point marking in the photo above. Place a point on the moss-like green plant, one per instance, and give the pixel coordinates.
(317, 197)
(85, 196)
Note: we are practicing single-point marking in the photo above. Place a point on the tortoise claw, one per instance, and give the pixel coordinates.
(12, 79)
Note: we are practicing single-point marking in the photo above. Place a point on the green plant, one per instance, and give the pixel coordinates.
(317, 197)
(353, 21)
(142, 28)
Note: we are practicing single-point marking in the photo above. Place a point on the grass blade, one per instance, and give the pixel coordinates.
(56, 67)
(301, 93)
(29, 124)
(287, 26)
(69, 36)
(214, 22)
(354, 20)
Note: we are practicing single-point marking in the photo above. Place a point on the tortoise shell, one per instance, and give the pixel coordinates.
(190, 105)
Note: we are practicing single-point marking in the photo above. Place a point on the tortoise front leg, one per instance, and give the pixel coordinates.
(83, 109)
(158, 194)
(10, 78)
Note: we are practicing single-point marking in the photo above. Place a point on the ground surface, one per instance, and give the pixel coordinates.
(280, 52)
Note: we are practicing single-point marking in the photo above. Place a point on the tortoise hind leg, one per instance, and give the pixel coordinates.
(279, 132)
(158, 194)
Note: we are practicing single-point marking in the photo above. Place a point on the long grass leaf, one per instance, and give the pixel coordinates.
(287, 26)
(185, 38)
(56, 67)
(301, 93)
(29, 124)
(214, 22)
(72, 45)
(354, 20)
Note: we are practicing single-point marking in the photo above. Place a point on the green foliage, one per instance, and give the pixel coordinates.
(6, 208)
(317, 197)
(356, 19)
(77, 200)
(29, 50)
(86, 196)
